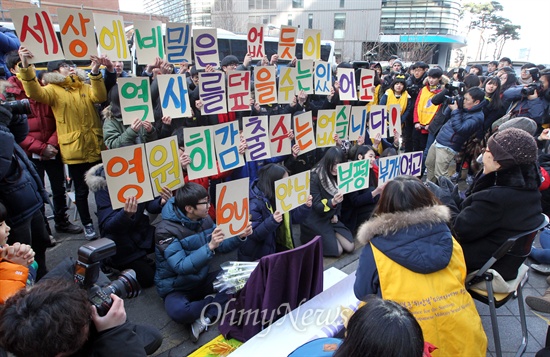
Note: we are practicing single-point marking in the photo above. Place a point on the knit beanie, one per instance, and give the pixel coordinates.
(512, 147)
(523, 123)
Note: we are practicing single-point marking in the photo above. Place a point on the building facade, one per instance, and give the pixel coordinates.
(198, 13)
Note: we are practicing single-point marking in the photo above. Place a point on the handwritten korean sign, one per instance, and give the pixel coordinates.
(227, 139)
(326, 124)
(378, 120)
(238, 90)
(292, 192)
(206, 48)
(303, 130)
(164, 164)
(353, 176)
(405, 164)
(135, 99)
(199, 144)
(255, 41)
(212, 93)
(287, 42)
(366, 85)
(346, 79)
(279, 127)
(77, 33)
(148, 40)
(304, 76)
(255, 132)
(265, 85)
(287, 80)
(178, 42)
(358, 121)
(395, 118)
(111, 37)
(342, 120)
(232, 206)
(174, 97)
(312, 44)
(323, 78)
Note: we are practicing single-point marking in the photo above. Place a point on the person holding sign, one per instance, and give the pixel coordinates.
(411, 257)
(78, 124)
(272, 229)
(186, 241)
(327, 204)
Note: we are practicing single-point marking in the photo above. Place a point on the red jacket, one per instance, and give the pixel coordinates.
(42, 128)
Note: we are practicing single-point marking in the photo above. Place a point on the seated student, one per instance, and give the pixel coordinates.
(410, 256)
(400, 337)
(186, 241)
(272, 229)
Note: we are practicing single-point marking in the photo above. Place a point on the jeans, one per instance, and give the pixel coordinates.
(542, 255)
(77, 172)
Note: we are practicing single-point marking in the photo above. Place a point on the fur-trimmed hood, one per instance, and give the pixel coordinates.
(73, 80)
(95, 178)
(419, 240)
(443, 80)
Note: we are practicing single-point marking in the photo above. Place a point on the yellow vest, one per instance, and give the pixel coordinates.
(426, 109)
(439, 302)
(392, 99)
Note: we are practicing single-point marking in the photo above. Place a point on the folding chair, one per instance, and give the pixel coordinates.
(517, 246)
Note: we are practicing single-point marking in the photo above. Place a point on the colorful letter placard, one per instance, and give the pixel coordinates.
(366, 85)
(111, 37)
(353, 176)
(227, 139)
(342, 120)
(199, 144)
(255, 41)
(206, 48)
(287, 42)
(304, 76)
(77, 33)
(358, 121)
(238, 90)
(346, 78)
(286, 89)
(232, 209)
(326, 125)
(303, 130)
(378, 121)
(149, 43)
(178, 42)
(323, 78)
(279, 127)
(395, 118)
(135, 99)
(127, 174)
(212, 93)
(312, 45)
(255, 131)
(405, 164)
(265, 84)
(174, 97)
(292, 192)
(37, 34)
(164, 164)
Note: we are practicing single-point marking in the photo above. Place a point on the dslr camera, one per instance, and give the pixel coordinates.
(457, 90)
(18, 107)
(87, 269)
(531, 89)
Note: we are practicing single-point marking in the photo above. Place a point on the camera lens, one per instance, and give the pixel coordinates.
(19, 106)
(125, 286)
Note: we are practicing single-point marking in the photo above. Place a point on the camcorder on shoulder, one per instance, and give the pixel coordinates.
(87, 269)
(457, 90)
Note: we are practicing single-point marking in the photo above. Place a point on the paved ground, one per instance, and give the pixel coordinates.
(148, 307)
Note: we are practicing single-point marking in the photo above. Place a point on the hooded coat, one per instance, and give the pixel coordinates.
(72, 100)
(117, 135)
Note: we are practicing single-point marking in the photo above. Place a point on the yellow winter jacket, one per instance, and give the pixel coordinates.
(72, 100)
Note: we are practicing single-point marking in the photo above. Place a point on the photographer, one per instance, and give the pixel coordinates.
(54, 318)
(464, 122)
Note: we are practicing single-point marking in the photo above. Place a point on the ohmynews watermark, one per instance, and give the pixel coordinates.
(299, 319)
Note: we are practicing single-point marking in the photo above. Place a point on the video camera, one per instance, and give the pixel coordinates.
(457, 90)
(87, 269)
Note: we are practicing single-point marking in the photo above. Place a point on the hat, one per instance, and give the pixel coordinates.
(394, 57)
(512, 147)
(55, 65)
(435, 73)
(399, 79)
(478, 67)
(420, 64)
(523, 123)
(398, 62)
(227, 60)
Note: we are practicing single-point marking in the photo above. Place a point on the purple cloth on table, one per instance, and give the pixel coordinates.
(289, 277)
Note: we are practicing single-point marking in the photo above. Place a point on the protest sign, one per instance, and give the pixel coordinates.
(395, 118)
(77, 33)
(326, 124)
(405, 164)
(112, 37)
(227, 140)
(366, 85)
(178, 42)
(358, 121)
(323, 78)
(232, 206)
(303, 131)
(255, 132)
(342, 120)
(135, 99)
(205, 43)
(255, 41)
(378, 120)
(148, 41)
(199, 144)
(265, 85)
(279, 127)
(287, 42)
(312, 45)
(304, 76)
(353, 176)
(174, 97)
(164, 164)
(212, 93)
(346, 79)
(238, 90)
(287, 85)
(292, 192)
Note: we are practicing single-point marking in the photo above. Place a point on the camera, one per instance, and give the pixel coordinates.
(531, 88)
(413, 89)
(456, 88)
(18, 106)
(87, 269)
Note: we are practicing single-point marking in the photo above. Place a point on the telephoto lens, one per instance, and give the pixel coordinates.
(125, 286)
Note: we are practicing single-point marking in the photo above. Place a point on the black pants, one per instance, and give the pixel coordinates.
(56, 175)
(77, 172)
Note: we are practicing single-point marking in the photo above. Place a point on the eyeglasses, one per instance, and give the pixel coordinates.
(65, 65)
(204, 203)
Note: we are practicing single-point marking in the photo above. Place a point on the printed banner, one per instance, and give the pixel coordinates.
(227, 140)
(127, 174)
(174, 97)
(366, 85)
(255, 132)
(238, 90)
(199, 144)
(178, 42)
(36, 32)
(255, 41)
(312, 45)
(342, 120)
(303, 131)
(212, 93)
(77, 33)
(205, 43)
(304, 76)
(135, 99)
(292, 192)
(353, 176)
(232, 209)
(358, 121)
(111, 37)
(148, 41)
(378, 119)
(279, 127)
(287, 79)
(326, 125)
(346, 79)
(265, 84)
(405, 164)
(287, 42)
(164, 164)
(323, 78)
(395, 119)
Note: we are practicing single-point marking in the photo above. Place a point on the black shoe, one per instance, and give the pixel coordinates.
(68, 227)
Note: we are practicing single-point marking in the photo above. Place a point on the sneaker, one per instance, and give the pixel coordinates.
(539, 303)
(455, 177)
(198, 327)
(89, 231)
(541, 268)
(470, 180)
(68, 227)
(51, 242)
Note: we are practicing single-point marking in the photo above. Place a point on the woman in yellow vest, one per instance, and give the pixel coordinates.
(411, 257)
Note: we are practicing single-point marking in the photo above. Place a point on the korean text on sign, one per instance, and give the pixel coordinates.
(232, 206)
(174, 97)
(238, 90)
(149, 43)
(265, 85)
(255, 41)
(212, 93)
(227, 139)
(287, 42)
(378, 121)
(292, 191)
(353, 176)
(286, 89)
(326, 124)
(135, 99)
(164, 164)
(366, 85)
(323, 78)
(255, 132)
(303, 131)
(199, 144)
(111, 37)
(77, 33)
(279, 127)
(357, 122)
(206, 48)
(405, 164)
(178, 42)
(304, 76)
(346, 79)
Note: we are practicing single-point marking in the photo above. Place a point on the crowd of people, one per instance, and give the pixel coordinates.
(427, 236)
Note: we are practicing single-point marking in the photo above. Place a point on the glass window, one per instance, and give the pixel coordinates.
(289, 22)
(297, 4)
(342, 3)
(310, 21)
(339, 25)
